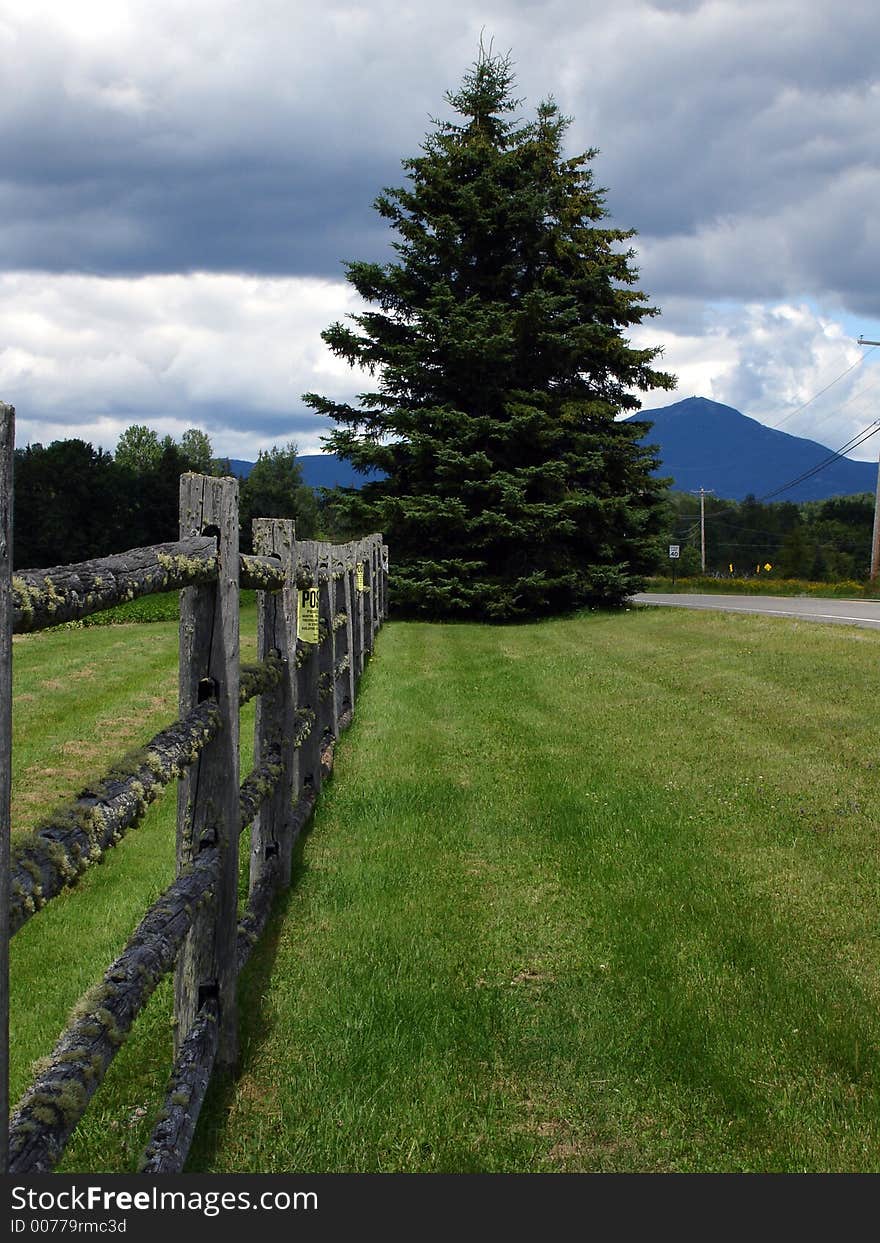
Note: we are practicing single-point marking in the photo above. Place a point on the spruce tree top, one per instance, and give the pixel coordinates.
(496, 341)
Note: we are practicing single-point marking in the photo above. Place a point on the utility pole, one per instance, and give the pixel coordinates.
(875, 537)
(703, 493)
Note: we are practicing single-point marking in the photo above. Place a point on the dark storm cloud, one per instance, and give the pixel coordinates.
(260, 218)
(213, 158)
(254, 139)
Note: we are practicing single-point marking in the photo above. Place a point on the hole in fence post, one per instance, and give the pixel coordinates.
(271, 850)
(208, 992)
(209, 688)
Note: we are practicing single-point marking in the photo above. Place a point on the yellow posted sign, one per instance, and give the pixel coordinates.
(359, 576)
(307, 616)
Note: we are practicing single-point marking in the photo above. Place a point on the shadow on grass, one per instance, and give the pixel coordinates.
(253, 984)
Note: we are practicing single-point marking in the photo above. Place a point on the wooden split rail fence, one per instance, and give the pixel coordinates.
(319, 607)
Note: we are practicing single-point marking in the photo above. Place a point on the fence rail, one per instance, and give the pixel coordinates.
(319, 607)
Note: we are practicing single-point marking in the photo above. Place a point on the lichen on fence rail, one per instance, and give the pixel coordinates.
(262, 676)
(62, 593)
(257, 786)
(260, 573)
(172, 1135)
(65, 1082)
(55, 856)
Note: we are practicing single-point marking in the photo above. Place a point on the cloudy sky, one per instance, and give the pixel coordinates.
(182, 179)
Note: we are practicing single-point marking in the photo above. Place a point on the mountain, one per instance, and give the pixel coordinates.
(704, 444)
(320, 470)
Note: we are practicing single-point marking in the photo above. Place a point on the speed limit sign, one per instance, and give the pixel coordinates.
(674, 551)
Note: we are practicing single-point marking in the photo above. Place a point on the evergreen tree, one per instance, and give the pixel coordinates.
(497, 342)
(71, 503)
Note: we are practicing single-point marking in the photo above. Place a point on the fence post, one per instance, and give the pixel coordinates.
(208, 793)
(368, 594)
(358, 599)
(383, 556)
(7, 452)
(327, 648)
(375, 577)
(344, 686)
(275, 723)
(307, 686)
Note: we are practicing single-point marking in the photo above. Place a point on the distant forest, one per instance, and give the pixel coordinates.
(73, 502)
(826, 541)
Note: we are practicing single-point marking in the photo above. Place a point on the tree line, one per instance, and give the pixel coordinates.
(825, 541)
(73, 501)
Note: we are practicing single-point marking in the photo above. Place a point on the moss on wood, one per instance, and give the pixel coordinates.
(64, 593)
(75, 836)
(64, 1083)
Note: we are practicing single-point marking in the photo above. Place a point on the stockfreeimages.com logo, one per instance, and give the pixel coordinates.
(208, 1203)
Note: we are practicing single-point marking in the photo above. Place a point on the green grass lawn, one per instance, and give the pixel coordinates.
(594, 894)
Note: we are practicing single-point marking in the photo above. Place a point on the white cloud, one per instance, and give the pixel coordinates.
(769, 361)
(87, 356)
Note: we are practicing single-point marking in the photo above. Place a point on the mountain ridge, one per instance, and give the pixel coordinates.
(702, 444)
(705, 444)
(320, 470)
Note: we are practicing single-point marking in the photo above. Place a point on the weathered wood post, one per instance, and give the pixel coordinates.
(377, 576)
(208, 794)
(375, 579)
(7, 452)
(344, 687)
(275, 723)
(326, 650)
(358, 597)
(368, 594)
(383, 551)
(307, 683)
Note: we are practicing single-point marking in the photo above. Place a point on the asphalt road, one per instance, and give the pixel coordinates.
(841, 612)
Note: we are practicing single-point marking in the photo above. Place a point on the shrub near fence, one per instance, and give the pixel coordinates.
(319, 607)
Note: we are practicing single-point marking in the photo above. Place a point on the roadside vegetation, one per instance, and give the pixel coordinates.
(765, 585)
(819, 541)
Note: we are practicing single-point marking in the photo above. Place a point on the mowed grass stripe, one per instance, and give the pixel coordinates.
(593, 894)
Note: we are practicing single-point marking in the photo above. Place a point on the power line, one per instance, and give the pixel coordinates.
(843, 405)
(875, 534)
(859, 439)
(824, 390)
